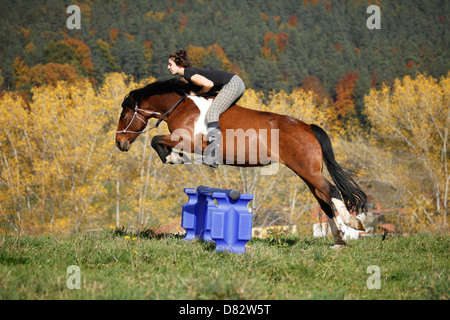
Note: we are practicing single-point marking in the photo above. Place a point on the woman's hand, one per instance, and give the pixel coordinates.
(192, 93)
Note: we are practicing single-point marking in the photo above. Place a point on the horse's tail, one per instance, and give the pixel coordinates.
(354, 197)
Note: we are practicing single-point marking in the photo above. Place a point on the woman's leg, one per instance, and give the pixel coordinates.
(229, 95)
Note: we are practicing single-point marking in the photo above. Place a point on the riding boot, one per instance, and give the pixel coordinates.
(211, 153)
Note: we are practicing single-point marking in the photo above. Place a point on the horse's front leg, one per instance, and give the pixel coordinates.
(164, 145)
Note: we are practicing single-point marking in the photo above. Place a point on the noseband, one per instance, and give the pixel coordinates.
(138, 116)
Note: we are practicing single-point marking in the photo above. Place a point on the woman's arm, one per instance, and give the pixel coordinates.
(203, 82)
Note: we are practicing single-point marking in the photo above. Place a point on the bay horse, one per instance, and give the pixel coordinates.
(303, 148)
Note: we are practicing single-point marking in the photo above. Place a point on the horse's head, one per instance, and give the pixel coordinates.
(132, 122)
(141, 104)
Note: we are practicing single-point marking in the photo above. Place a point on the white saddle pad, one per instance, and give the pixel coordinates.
(203, 105)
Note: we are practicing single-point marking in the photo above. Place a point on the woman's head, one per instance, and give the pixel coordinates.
(178, 61)
(180, 58)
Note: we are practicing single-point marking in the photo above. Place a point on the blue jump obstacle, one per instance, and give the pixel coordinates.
(229, 224)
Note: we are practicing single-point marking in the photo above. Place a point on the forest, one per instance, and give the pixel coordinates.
(283, 45)
(382, 95)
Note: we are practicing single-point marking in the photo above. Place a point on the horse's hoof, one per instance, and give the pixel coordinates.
(174, 159)
(337, 246)
(359, 225)
(211, 162)
(355, 223)
(213, 165)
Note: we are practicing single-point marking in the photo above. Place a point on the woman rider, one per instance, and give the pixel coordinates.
(231, 89)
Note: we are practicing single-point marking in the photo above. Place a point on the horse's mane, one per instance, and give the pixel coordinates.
(158, 87)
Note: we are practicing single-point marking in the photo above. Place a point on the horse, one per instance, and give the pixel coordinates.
(303, 148)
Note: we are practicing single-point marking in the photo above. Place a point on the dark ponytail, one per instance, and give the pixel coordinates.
(180, 58)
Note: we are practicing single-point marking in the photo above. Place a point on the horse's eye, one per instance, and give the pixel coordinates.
(122, 116)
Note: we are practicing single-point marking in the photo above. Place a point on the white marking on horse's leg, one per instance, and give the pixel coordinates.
(338, 227)
(174, 158)
(348, 219)
(336, 231)
(342, 210)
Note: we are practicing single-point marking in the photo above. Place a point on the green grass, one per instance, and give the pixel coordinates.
(149, 267)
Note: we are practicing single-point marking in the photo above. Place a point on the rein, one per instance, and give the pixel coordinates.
(145, 130)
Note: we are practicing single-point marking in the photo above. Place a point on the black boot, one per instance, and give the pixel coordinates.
(211, 153)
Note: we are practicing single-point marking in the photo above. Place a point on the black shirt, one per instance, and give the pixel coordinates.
(218, 77)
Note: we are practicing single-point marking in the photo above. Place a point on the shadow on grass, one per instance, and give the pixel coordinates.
(277, 239)
(300, 242)
(145, 233)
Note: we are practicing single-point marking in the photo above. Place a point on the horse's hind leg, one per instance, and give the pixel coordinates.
(328, 209)
(323, 191)
(334, 226)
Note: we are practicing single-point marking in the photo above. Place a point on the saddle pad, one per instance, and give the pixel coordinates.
(203, 105)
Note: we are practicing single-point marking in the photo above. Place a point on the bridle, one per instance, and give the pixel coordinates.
(139, 116)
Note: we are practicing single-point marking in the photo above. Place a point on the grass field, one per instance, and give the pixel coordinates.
(120, 265)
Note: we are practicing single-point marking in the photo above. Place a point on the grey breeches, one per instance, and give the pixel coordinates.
(228, 95)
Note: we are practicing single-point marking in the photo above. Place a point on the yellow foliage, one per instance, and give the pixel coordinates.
(197, 55)
(56, 156)
(60, 170)
(411, 121)
(155, 15)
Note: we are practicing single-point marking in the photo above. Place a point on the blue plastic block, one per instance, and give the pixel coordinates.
(205, 206)
(229, 224)
(233, 194)
(188, 216)
(196, 215)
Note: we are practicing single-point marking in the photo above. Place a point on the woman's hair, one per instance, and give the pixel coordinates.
(181, 58)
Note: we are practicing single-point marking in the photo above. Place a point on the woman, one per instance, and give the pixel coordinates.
(231, 89)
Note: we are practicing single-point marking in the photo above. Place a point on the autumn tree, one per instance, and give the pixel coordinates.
(83, 55)
(274, 45)
(411, 123)
(345, 96)
(312, 83)
(56, 158)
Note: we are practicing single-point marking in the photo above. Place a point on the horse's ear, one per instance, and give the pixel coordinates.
(128, 103)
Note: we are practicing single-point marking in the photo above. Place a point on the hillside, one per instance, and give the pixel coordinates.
(315, 44)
